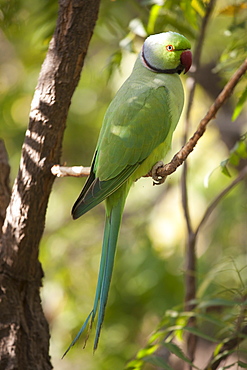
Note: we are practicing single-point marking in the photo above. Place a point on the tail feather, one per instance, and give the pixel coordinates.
(112, 225)
(113, 222)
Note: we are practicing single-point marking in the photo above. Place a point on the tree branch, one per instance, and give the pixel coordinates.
(75, 171)
(24, 334)
(4, 183)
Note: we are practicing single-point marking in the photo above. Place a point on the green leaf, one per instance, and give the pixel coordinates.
(218, 348)
(239, 151)
(145, 352)
(241, 147)
(211, 319)
(224, 168)
(228, 366)
(240, 104)
(191, 9)
(114, 62)
(242, 364)
(223, 355)
(134, 365)
(198, 7)
(176, 350)
(158, 361)
(216, 302)
(198, 333)
(154, 13)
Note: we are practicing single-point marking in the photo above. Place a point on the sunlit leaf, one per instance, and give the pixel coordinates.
(224, 168)
(239, 151)
(198, 6)
(146, 351)
(218, 348)
(240, 104)
(241, 147)
(233, 9)
(134, 365)
(234, 159)
(154, 12)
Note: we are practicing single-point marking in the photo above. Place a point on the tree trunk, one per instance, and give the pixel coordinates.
(24, 331)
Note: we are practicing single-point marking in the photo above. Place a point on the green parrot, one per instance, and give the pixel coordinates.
(136, 133)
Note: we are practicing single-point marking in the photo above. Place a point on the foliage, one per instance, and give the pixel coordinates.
(148, 276)
(237, 153)
(220, 318)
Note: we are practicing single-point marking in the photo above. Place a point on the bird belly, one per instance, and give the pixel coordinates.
(157, 154)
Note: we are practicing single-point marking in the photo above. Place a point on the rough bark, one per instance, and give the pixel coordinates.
(4, 183)
(24, 332)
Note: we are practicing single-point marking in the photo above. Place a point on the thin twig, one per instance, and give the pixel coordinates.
(218, 198)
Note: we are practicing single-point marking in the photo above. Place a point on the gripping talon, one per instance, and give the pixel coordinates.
(158, 180)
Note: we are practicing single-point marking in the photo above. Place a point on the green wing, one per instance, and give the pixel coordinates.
(132, 129)
(95, 191)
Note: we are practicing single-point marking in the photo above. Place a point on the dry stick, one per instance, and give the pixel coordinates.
(75, 171)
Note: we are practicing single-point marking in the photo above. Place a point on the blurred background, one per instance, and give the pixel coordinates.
(148, 276)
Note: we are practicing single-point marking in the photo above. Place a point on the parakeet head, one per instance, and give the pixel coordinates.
(167, 52)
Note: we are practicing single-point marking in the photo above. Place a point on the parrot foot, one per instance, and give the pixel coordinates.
(158, 180)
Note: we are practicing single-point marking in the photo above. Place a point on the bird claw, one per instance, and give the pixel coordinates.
(158, 180)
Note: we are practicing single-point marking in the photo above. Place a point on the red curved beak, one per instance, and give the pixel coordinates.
(186, 60)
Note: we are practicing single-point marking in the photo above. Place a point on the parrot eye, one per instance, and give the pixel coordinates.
(169, 48)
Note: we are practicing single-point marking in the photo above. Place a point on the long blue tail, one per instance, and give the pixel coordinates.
(112, 225)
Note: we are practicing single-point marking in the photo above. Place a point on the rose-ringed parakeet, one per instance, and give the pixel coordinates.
(136, 133)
